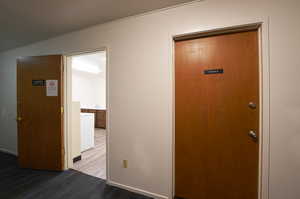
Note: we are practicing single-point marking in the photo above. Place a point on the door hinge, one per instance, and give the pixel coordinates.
(62, 109)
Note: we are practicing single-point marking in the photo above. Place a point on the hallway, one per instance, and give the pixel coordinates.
(19, 183)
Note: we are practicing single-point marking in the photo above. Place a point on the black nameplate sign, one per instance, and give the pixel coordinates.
(38, 82)
(213, 71)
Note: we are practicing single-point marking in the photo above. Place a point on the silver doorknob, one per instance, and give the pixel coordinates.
(252, 105)
(253, 135)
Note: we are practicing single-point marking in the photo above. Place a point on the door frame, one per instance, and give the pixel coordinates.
(68, 105)
(262, 25)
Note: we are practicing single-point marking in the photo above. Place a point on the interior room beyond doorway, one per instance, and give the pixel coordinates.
(88, 113)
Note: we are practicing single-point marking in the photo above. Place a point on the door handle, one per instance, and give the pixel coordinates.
(19, 119)
(253, 135)
(252, 105)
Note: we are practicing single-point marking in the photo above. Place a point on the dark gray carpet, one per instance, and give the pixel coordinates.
(19, 183)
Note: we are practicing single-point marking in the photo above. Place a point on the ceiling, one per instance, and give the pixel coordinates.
(92, 63)
(27, 21)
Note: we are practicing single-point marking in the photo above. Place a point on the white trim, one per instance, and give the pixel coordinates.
(136, 190)
(67, 115)
(107, 113)
(265, 109)
(264, 141)
(68, 103)
(8, 151)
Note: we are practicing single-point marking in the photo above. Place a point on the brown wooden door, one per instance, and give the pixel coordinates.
(40, 118)
(216, 158)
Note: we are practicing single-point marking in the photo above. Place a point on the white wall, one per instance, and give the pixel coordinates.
(140, 87)
(88, 89)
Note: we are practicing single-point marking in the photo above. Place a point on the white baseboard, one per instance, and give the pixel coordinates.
(8, 151)
(136, 190)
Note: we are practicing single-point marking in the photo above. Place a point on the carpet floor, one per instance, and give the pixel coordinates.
(16, 183)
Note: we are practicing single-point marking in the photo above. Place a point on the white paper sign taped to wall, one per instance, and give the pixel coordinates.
(51, 87)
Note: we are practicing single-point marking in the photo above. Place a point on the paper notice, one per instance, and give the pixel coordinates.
(51, 87)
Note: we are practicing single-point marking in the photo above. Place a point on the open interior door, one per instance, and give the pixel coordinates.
(40, 112)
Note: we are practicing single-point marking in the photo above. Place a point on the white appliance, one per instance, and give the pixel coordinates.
(87, 130)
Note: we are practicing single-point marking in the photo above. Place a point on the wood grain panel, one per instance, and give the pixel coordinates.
(40, 132)
(214, 156)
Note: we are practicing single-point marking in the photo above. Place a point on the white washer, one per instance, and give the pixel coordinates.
(87, 130)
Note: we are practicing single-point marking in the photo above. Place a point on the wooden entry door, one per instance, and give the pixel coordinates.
(217, 117)
(40, 117)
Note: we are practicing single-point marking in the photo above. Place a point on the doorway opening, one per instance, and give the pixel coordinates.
(87, 135)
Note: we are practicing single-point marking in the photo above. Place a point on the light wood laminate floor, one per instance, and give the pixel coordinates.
(93, 161)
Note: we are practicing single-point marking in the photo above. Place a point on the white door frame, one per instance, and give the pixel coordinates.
(68, 106)
(264, 95)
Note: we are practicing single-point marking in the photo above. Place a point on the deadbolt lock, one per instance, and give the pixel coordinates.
(253, 135)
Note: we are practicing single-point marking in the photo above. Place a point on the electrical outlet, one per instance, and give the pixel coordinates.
(125, 164)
